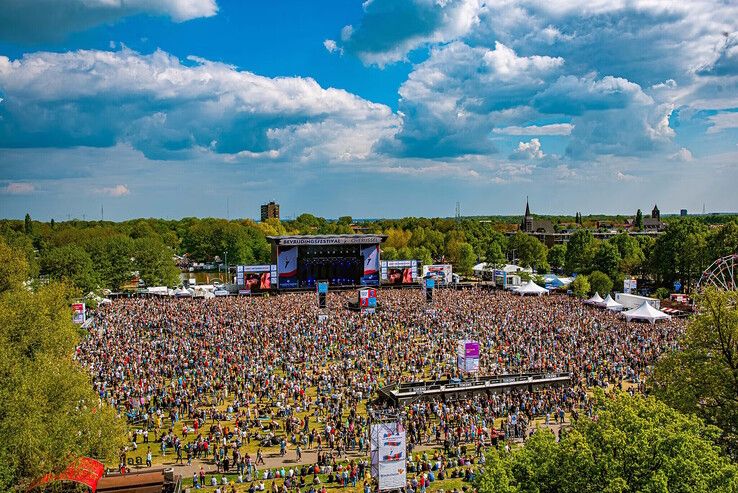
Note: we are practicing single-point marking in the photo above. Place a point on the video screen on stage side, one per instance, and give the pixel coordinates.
(400, 276)
(257, 281)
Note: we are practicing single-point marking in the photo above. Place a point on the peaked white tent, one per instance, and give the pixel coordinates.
(612, 305)
(645, 312)
(595, 300)
(531, 288)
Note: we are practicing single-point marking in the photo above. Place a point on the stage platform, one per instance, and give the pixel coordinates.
(402, 393)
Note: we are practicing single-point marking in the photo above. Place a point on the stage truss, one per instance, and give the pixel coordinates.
(721, 274)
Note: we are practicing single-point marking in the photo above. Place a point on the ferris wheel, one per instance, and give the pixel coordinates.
(721, 274)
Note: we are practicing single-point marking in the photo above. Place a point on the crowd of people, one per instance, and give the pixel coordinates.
(235, 370)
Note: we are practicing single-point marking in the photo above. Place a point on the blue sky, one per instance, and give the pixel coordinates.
(385, 108)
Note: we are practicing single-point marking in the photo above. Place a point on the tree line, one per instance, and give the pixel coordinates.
(103, 254)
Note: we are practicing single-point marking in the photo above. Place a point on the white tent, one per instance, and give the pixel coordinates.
(531, 288)
(645, 312)
(595, 300)
(182, 293)
(611, 304)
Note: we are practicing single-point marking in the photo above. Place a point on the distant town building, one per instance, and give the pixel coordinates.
(531, 225)
(270, 211)
(653, 223)
(545, 232)
(683, 212)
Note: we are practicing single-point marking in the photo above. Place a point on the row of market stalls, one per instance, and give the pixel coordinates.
(645, 311)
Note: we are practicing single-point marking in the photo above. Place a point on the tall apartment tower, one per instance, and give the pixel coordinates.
(270, 211)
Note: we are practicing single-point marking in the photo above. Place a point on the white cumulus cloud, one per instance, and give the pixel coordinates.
(682, 154)
(528, 150)
(42, 20)
(723, 121)
(18, 188)
(169, 110)
(114, 191)
(551, 129)
(390, 29)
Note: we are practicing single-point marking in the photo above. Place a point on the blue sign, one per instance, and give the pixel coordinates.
(430, 283)
(322, 288)
(677, 286)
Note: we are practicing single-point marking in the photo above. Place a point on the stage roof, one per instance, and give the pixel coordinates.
(299, 240)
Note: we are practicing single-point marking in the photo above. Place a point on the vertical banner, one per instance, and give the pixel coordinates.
(287, 267)
(78, 313)
(630, 286)
(388, 455)
(392, 462)
(370, 275)
(429, 286)
(467, 356)
(368, 300)
(322, 288)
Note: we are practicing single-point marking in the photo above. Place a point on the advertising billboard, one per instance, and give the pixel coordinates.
(388, 452)
(322, 289)
(78, 313)
(368, 300)
(287, 267)
(630, 286)
(467, 356)
(370, 275)
(442, 272)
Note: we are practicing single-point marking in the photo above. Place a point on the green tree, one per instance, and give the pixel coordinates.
(529, 251)
(680, 253)
(630, 251)
(599, 282)
(71, 263)
(580, 252)
(154, 262)
(661, 293)
(421, 254)
(13, 268)
(702, 376)
(463, 257)
(398, 238)
(639, 220)
(28, 225)
(580, 286)
(50, 412)
(111, 257)
(557, 256)
(607, 259)
(635, 444)
(494, 255)
(389, 253)
(723, 240)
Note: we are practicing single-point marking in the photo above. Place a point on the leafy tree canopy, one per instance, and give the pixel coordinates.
(633, 444)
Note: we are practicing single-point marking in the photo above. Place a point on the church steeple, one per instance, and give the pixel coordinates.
(527, 207)
(655, 213)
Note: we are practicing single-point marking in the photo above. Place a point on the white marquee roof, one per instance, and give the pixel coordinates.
(645, 312)
(611, 304)
(595, 300)
(531, 288)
